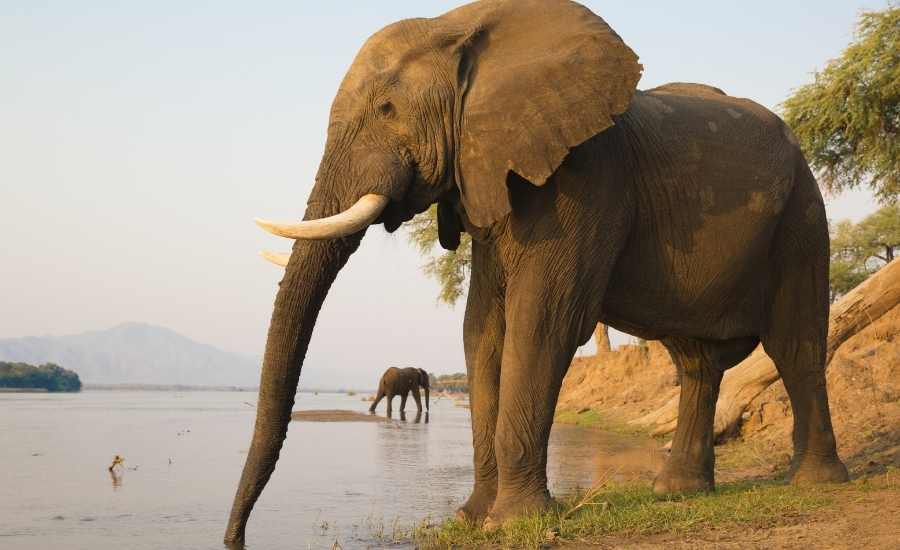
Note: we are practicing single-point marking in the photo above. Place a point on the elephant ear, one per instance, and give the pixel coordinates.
(538, 78)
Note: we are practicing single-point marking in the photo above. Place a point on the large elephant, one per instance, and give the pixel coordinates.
(401, 382)
(677, 213)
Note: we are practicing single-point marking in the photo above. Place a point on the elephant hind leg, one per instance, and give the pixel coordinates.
(390, 403)
(418, 398)
(795, 337)
(691, 464)
(378, 399)
(403, 397)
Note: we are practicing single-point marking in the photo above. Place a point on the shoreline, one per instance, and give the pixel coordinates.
(194, 388)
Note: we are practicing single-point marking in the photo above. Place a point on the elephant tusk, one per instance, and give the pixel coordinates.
(277, 258)
(354, 219)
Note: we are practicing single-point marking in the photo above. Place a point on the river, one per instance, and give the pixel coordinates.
(183, 451)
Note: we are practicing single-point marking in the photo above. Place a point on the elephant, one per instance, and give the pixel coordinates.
(401, 382)
(677, 213)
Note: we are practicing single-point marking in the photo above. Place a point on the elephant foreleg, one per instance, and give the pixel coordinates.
(556, 279)
(483, 332)
(536, 356)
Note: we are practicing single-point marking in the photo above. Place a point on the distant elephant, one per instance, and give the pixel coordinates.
(678, 213)
(401, 382)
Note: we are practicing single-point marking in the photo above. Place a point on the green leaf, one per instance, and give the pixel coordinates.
(848, 118)
(450, 268)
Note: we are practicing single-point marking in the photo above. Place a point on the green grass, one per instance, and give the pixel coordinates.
(739, 455)
(632, 510)
(889, 479)
(592, 419)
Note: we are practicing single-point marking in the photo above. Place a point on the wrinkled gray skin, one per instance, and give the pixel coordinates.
(401, 382)
(679, 214)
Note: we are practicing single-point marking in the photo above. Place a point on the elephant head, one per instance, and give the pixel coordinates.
(432, 111)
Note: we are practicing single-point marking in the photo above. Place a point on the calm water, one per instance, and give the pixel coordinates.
(184, 452)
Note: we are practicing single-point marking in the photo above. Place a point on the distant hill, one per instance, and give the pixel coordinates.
(135, 353)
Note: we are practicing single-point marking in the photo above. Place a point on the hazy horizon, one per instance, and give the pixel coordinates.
(140, 141)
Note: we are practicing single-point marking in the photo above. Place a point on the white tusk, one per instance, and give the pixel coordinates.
(277, 258)
(354, 219)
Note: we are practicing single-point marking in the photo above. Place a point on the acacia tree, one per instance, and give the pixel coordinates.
(880, 234)
(859, 250)
(848, 118)
(846, 271)
(601, 338)
(450, 268)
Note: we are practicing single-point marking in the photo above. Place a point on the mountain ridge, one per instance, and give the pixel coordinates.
(136, 353)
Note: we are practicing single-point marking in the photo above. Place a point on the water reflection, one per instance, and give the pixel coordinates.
(354, 477)
(416, 420)
(581, 458)
(116, 478)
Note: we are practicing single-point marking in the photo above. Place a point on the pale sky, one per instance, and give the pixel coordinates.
(138, 140)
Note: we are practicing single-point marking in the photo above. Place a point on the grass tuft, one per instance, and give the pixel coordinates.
(624, 510)
(590, 418)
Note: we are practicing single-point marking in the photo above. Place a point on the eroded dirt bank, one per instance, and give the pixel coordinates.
(864, 390)
(863, 387)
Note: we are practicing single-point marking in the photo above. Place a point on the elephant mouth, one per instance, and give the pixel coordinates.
(419, 197)
(395, 214)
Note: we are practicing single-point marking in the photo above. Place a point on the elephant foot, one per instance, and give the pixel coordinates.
(515, 506)
(477, 507)
(809, 469)
(676, 479)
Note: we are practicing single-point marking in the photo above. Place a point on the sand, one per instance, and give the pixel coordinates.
(335, 415)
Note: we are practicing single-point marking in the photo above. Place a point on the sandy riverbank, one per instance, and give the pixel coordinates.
(336, 415)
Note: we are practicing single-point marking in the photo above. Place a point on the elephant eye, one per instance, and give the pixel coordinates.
(386, 109)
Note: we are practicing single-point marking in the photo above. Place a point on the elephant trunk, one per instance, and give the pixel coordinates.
(310, 272)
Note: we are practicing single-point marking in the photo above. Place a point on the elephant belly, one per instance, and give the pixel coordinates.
(713, 290)
(713, 177)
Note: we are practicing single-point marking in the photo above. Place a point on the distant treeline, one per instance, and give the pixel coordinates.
(458, 382)
(48, 376)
